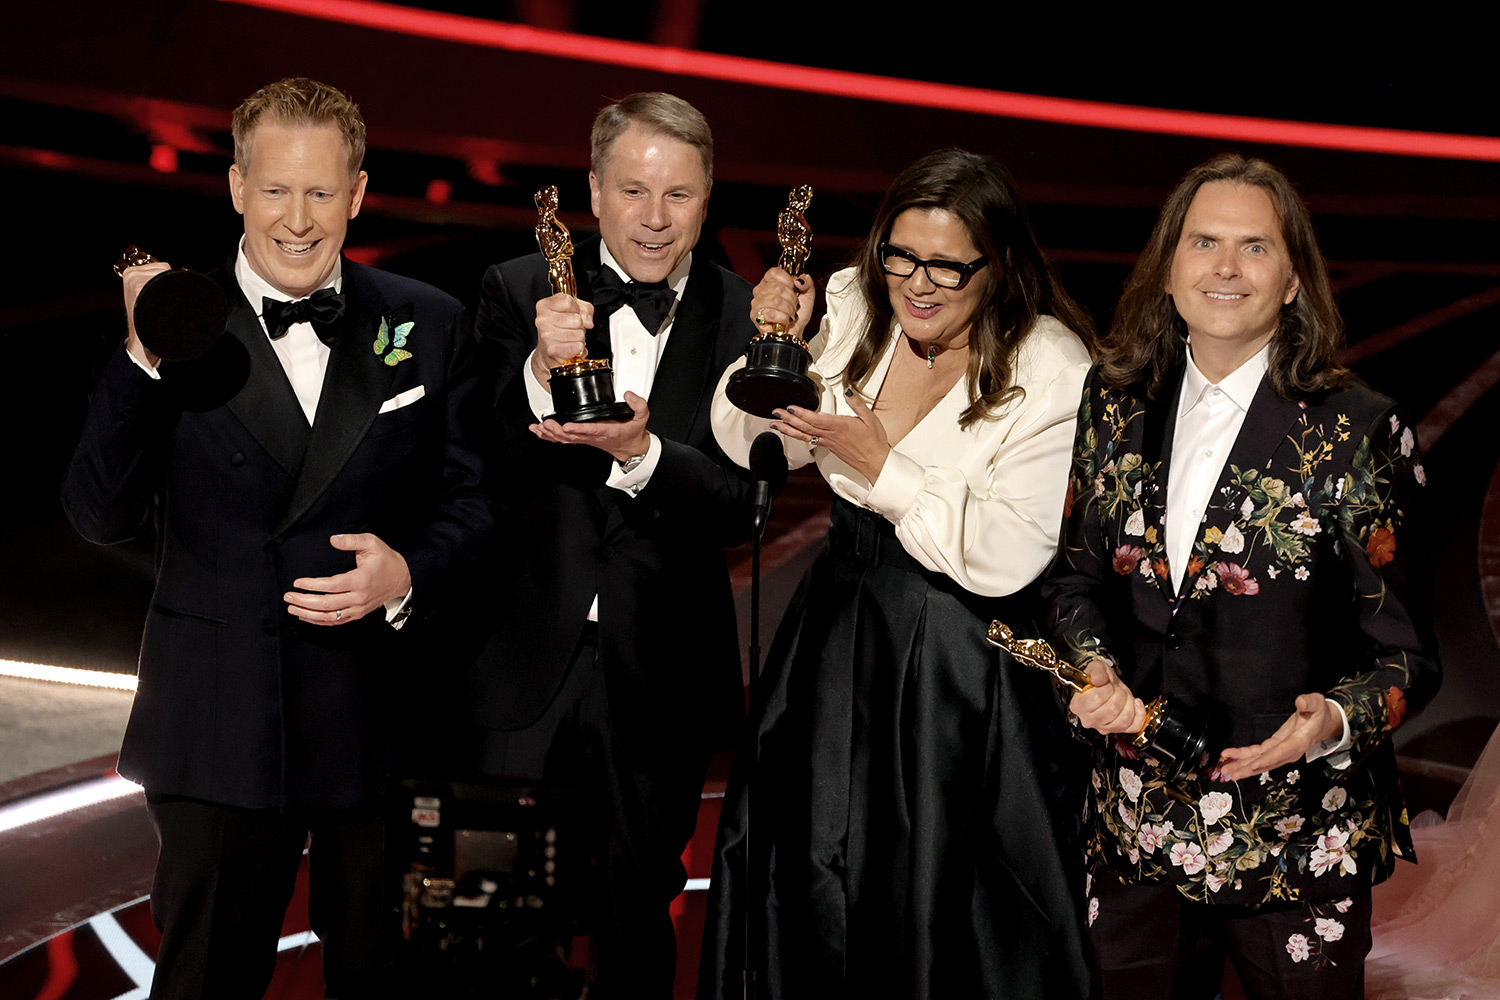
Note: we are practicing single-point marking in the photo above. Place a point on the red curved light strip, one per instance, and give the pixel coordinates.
(893, 90)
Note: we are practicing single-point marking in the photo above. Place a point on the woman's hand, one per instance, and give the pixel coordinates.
(781, 299)
(859, 441)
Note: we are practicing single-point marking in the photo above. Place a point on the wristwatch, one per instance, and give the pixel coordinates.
(632, 463)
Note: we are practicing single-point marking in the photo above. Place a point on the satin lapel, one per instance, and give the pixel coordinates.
(1266, 425)
(1159, 426)
(354, 386)
(683, 376)
(266, 404)
(586, 265)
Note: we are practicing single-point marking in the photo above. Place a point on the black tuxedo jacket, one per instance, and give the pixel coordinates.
(667, 637)
(1303, 578)
(239, 702)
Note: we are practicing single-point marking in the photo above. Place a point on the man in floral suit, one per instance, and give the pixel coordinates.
(1240, 536)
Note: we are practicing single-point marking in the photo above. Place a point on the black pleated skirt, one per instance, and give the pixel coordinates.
(911, 821)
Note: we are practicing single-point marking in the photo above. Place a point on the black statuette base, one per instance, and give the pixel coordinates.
(774, 377)
(1179, 739)
(180, 314)
(586, 397)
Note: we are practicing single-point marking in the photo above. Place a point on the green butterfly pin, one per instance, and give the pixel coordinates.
(390, 348)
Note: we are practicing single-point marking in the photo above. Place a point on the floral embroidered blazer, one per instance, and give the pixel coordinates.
(1301, 579)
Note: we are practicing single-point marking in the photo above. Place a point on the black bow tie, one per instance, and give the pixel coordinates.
(651, 300)
(323, 309)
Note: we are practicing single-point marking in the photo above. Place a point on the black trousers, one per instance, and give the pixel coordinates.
(640, 814)
(1149, 942)
(224, 877)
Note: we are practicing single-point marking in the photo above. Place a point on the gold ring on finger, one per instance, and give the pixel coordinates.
(813, 441)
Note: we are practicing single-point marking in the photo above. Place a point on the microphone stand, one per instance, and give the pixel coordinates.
(768, 468)
(752, 898)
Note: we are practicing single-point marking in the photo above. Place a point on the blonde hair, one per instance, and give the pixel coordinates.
(299, 101)
(662, 114)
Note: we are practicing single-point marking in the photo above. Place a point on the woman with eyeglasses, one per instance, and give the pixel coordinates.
(914, 808)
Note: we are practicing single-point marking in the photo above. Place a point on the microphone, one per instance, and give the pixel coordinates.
(768, 469)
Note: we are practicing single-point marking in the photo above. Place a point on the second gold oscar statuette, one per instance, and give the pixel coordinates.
(1172, 733)
(775, 372)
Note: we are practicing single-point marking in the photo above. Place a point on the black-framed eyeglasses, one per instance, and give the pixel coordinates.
(943, 273)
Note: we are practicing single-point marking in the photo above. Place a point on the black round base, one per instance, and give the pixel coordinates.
(180, 314)
(587, 396)
(1179, 741)
(762, 390)
(592, 412)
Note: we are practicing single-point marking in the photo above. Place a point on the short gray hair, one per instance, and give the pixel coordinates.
(658, 113)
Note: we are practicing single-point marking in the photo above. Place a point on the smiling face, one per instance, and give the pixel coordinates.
(1230, 274)
(930, 314)
(650, 197)
(297, 199)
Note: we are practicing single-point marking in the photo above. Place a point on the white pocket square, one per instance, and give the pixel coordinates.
(401, 399)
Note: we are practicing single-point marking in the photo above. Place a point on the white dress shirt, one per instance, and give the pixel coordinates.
(303, 356)
(1209, 418)
(982, 504)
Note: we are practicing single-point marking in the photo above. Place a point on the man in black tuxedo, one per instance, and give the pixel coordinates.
(1244, 534)
(311, 480)
(614, 668)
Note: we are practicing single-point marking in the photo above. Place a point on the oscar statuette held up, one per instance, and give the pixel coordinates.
(775, 372)
(583, 389)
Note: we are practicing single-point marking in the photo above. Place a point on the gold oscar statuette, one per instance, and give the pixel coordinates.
(775, 372)
(1171, 733)
(583, 388)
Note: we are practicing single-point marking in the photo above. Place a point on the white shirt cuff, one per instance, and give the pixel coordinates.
(536, 393)
(896, 488)
(397, 610)
(635, 480)
(148, 369)
(1339, 746)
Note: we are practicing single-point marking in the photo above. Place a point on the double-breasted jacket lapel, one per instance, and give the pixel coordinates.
(356, 383)
(265, 404)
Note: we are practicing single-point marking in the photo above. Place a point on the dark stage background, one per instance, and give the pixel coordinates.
(116, 132)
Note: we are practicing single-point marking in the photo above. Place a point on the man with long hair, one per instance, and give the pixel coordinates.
(1240, 535)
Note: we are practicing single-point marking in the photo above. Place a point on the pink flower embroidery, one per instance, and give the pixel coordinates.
(1236, 580)
(1188, 856)
(1219, 843)
(1152, 836)
(1126, 559)
(1328, 929)
(1333, 852)
(1093, 910)
(1296, 946)
(1343, 905)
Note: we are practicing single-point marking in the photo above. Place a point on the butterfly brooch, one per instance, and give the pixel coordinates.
(390, 339)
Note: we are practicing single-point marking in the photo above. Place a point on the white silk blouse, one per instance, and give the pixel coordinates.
(983, 505)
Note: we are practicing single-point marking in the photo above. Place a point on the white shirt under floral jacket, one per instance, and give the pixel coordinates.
(1303, 577)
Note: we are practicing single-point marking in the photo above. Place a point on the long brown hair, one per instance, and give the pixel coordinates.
(1146, 338)
(1023, 284)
